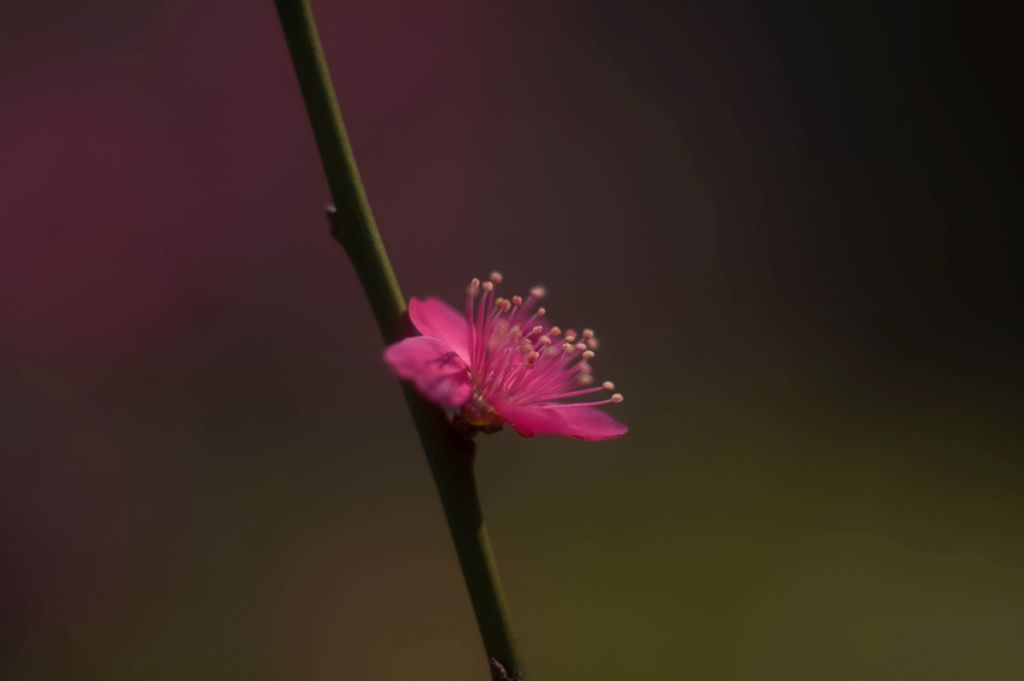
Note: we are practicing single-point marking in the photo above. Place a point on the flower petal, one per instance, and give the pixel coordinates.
(584, 423)
(433, 317)
(433, 367)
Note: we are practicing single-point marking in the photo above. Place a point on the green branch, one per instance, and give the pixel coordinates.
(449, 452)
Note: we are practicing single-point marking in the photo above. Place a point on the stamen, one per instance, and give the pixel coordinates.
(514, 352)
(578, 393)
(483, 313)
(614, 399)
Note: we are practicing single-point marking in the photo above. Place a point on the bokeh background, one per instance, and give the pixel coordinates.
(796, 226)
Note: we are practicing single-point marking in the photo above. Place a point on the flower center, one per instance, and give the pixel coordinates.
(479, 414)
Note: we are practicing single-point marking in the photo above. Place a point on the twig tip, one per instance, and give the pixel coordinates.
(499, 673)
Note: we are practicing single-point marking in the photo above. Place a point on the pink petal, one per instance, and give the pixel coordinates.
(433, 317)
(584, 423)
(433, 367)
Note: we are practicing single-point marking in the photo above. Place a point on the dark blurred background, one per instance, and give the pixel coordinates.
(796, 226)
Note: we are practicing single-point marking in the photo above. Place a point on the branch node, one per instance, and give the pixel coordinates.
(332, 221)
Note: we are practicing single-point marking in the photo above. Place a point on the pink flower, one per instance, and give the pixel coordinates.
(501, 362)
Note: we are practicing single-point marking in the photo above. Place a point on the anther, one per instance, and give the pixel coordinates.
(568, 348)
(503, 304)
(541, 311)
(517, 300)
(544, 340)
(586, 379)
(538, 291)
(617, 397)
(589, 354)
(570, 336)
(536, 329)
(488, 286)
(554, 331)
(592, 344)
(608, 385)
(496, 277)
(588, 334)
(474, 286)
(581, 347)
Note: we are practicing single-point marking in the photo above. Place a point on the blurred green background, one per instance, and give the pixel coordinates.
(797, 231)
